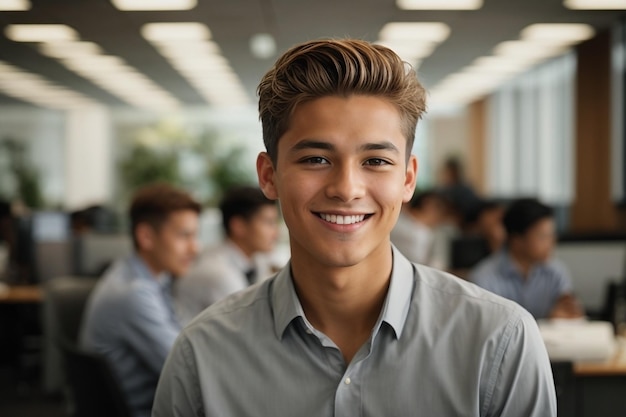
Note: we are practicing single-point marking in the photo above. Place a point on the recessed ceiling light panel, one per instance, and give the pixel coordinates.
(40, 33)
(128, 5)
(595, 4)
(14, 5)
(422, 31)
(558, 33)
(175, 32)
(439, 4)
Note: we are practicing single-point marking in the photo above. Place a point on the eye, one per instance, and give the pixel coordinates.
(315, 160)
(377, 162)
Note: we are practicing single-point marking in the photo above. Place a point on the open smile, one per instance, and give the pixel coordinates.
(343, 219)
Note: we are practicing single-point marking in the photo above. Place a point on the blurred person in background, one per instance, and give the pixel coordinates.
(486, 222)
(250, 224)
(454, 187)
(524, 270)
(129, 316)
(414, 233)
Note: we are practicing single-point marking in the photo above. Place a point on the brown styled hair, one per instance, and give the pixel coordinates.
(153, 203)
(337, 67)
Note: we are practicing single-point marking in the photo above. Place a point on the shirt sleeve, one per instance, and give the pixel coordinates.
(151, 330)
(520, 382)
(178, 391)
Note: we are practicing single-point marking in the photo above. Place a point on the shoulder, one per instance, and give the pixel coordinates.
(241, 309)
(444, 295)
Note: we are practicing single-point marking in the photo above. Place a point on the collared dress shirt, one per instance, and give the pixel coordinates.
(129, 318)
(441, 347)
(537, 293)
(218, 272)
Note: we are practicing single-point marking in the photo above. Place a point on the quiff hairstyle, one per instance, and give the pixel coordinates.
(341, 67)
(152, 204)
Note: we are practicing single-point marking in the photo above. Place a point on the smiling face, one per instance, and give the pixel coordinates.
(341, 177)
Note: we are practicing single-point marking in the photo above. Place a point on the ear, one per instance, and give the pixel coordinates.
(265, 172)
(410, 178)
(146, 236)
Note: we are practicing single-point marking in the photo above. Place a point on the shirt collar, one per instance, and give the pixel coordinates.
(508, 267)
(240, 260)
(287, 306)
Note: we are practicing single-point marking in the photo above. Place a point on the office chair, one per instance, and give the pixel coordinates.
(565, 387)
(63, 304)
(94, 389)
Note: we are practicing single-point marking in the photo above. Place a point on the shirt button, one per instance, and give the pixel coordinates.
(308, 331)
(347, 381)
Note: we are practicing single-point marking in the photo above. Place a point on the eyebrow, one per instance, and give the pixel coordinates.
(372, 146)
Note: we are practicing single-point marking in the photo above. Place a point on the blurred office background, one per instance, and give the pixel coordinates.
(100, 96)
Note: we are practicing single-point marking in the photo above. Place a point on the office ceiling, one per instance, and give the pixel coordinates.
(233, 22)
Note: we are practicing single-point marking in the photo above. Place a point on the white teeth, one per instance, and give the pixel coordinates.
(333, 218)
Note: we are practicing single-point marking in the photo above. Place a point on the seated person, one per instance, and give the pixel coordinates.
(129, 317)
(414, 233)
(524, 271)
(486, 222)
(250, 223)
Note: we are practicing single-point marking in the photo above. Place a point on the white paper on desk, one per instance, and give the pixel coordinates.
(578, 340)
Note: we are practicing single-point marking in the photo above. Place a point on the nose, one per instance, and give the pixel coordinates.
(346, 183)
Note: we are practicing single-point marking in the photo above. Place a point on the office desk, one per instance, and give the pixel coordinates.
(20, 332)
(600, 386)
(20, 294)
(615, 366)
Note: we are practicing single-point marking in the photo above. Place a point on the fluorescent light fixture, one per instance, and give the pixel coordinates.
(34, 89)
(558, 33)
(40, 33)
(529, 50)
(63, 50)
(439, 4)
(499, 64)
(14, 5)
(595, 4)
(174, 32)
(421, 31)
(409, 48)
(198, 60)
(154, 4)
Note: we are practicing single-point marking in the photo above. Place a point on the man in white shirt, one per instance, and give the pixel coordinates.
(250, 223)
(414, 233)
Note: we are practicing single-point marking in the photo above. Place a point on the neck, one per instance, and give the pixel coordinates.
(344, 303)
(522, 262)
(153, 266)
(241, 245)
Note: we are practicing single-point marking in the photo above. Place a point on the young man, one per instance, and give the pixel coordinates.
(250, 223)
(524, 270)
(129, 317)
(415, 231)
(350, 327)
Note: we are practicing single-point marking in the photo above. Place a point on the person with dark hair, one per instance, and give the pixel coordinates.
(525, 271)
(250, 223)
(455, 188)
(129, 316)
(485, 222)
(414, 233)
(350, 326)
